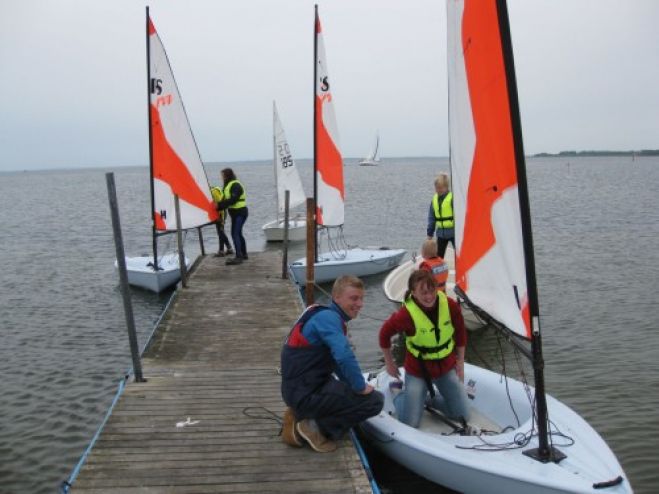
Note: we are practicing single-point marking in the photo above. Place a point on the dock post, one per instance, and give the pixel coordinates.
(311, 251)
(284, 261)
(179, 241)
(201, 241)
(123, 277)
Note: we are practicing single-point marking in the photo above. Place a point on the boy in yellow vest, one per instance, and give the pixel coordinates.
(440, 215)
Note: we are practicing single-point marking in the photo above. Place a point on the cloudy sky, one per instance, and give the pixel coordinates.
(73, 76)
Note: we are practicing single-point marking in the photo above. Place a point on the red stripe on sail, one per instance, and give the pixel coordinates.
(493, 169)
(152, 28)
(330, 163)
(168, 167)
(160, 223)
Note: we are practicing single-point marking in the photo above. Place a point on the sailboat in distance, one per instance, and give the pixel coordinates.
(520, 440)
(372, 159)
(329, 192)
(286, 178)
(175, 169)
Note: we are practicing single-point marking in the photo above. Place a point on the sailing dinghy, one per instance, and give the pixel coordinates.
(529, 442)
(175, 169)
(372, 159)
(286, 178)
(329, 192)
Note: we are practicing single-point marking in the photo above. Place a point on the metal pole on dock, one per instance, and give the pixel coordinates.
(201, 241)
(123, 277)
(179, 241)
(284, 262)
(311, 250)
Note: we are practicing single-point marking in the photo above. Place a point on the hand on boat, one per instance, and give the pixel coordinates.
(460, 370)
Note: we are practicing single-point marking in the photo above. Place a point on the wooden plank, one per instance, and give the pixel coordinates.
(215, 359)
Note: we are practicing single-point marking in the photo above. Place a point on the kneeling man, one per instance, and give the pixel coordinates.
(321, 407)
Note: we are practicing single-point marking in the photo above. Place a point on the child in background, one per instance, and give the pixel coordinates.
(434, 264)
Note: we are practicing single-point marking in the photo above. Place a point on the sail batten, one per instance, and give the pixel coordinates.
(328, 162)
(176, 167)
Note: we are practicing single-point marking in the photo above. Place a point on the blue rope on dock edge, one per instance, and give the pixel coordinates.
(66, 484)
(367, 467)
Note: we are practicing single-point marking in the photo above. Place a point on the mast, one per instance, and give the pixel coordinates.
(315, 130)
(154, 238)
(545, 452)
(275, 161)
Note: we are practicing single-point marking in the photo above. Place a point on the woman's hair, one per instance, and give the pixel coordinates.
(429, 248)
(442, 179)
(228, 175)
(342, 282)
(420, 277)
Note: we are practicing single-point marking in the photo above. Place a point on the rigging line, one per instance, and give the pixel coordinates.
(270, 415)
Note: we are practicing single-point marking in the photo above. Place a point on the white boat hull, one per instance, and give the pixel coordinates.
(357, 262)
(141, 273)
(444, 460)
(369, 163)
(395, 285)
(297, 230)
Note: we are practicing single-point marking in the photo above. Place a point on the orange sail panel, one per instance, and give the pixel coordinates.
(490, 264)
(329, 163)
(177, 168)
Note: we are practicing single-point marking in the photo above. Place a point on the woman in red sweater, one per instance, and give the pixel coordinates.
(435, 349)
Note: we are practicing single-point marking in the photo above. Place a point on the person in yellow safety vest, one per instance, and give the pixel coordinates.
(440, 215)
(223, 240)
(434, 264)
(235, 201)
(435, 350)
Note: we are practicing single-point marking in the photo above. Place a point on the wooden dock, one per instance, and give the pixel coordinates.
(215, 360)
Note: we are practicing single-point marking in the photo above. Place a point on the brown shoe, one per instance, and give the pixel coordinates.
(315, 439)
(288, 433)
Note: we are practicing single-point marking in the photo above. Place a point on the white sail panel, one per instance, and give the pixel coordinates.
(286, 173)
(490, 263)
(329, 162)
(177, 166)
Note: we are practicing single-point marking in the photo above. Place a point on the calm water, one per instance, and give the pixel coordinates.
(64, 345)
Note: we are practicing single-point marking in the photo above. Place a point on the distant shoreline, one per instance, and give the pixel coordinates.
(569, 154)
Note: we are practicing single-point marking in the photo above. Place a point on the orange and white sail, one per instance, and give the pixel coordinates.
(330, 194)
(176, 165)
(491, 265)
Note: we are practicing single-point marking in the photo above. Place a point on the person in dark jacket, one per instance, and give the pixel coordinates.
(321, 407)
(235, 201)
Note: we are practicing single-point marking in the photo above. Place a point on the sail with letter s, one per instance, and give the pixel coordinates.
(286, 173)
(492, 264)
(330, 194)
(176, 167)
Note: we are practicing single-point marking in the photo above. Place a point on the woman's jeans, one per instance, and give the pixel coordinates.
(237, 222)
(452, 398)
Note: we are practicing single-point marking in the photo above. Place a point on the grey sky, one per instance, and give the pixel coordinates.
(73, 76)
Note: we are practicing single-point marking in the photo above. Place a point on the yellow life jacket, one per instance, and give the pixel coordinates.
(242, 200)
(217, 195)
(430, 342)
(443, 211)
